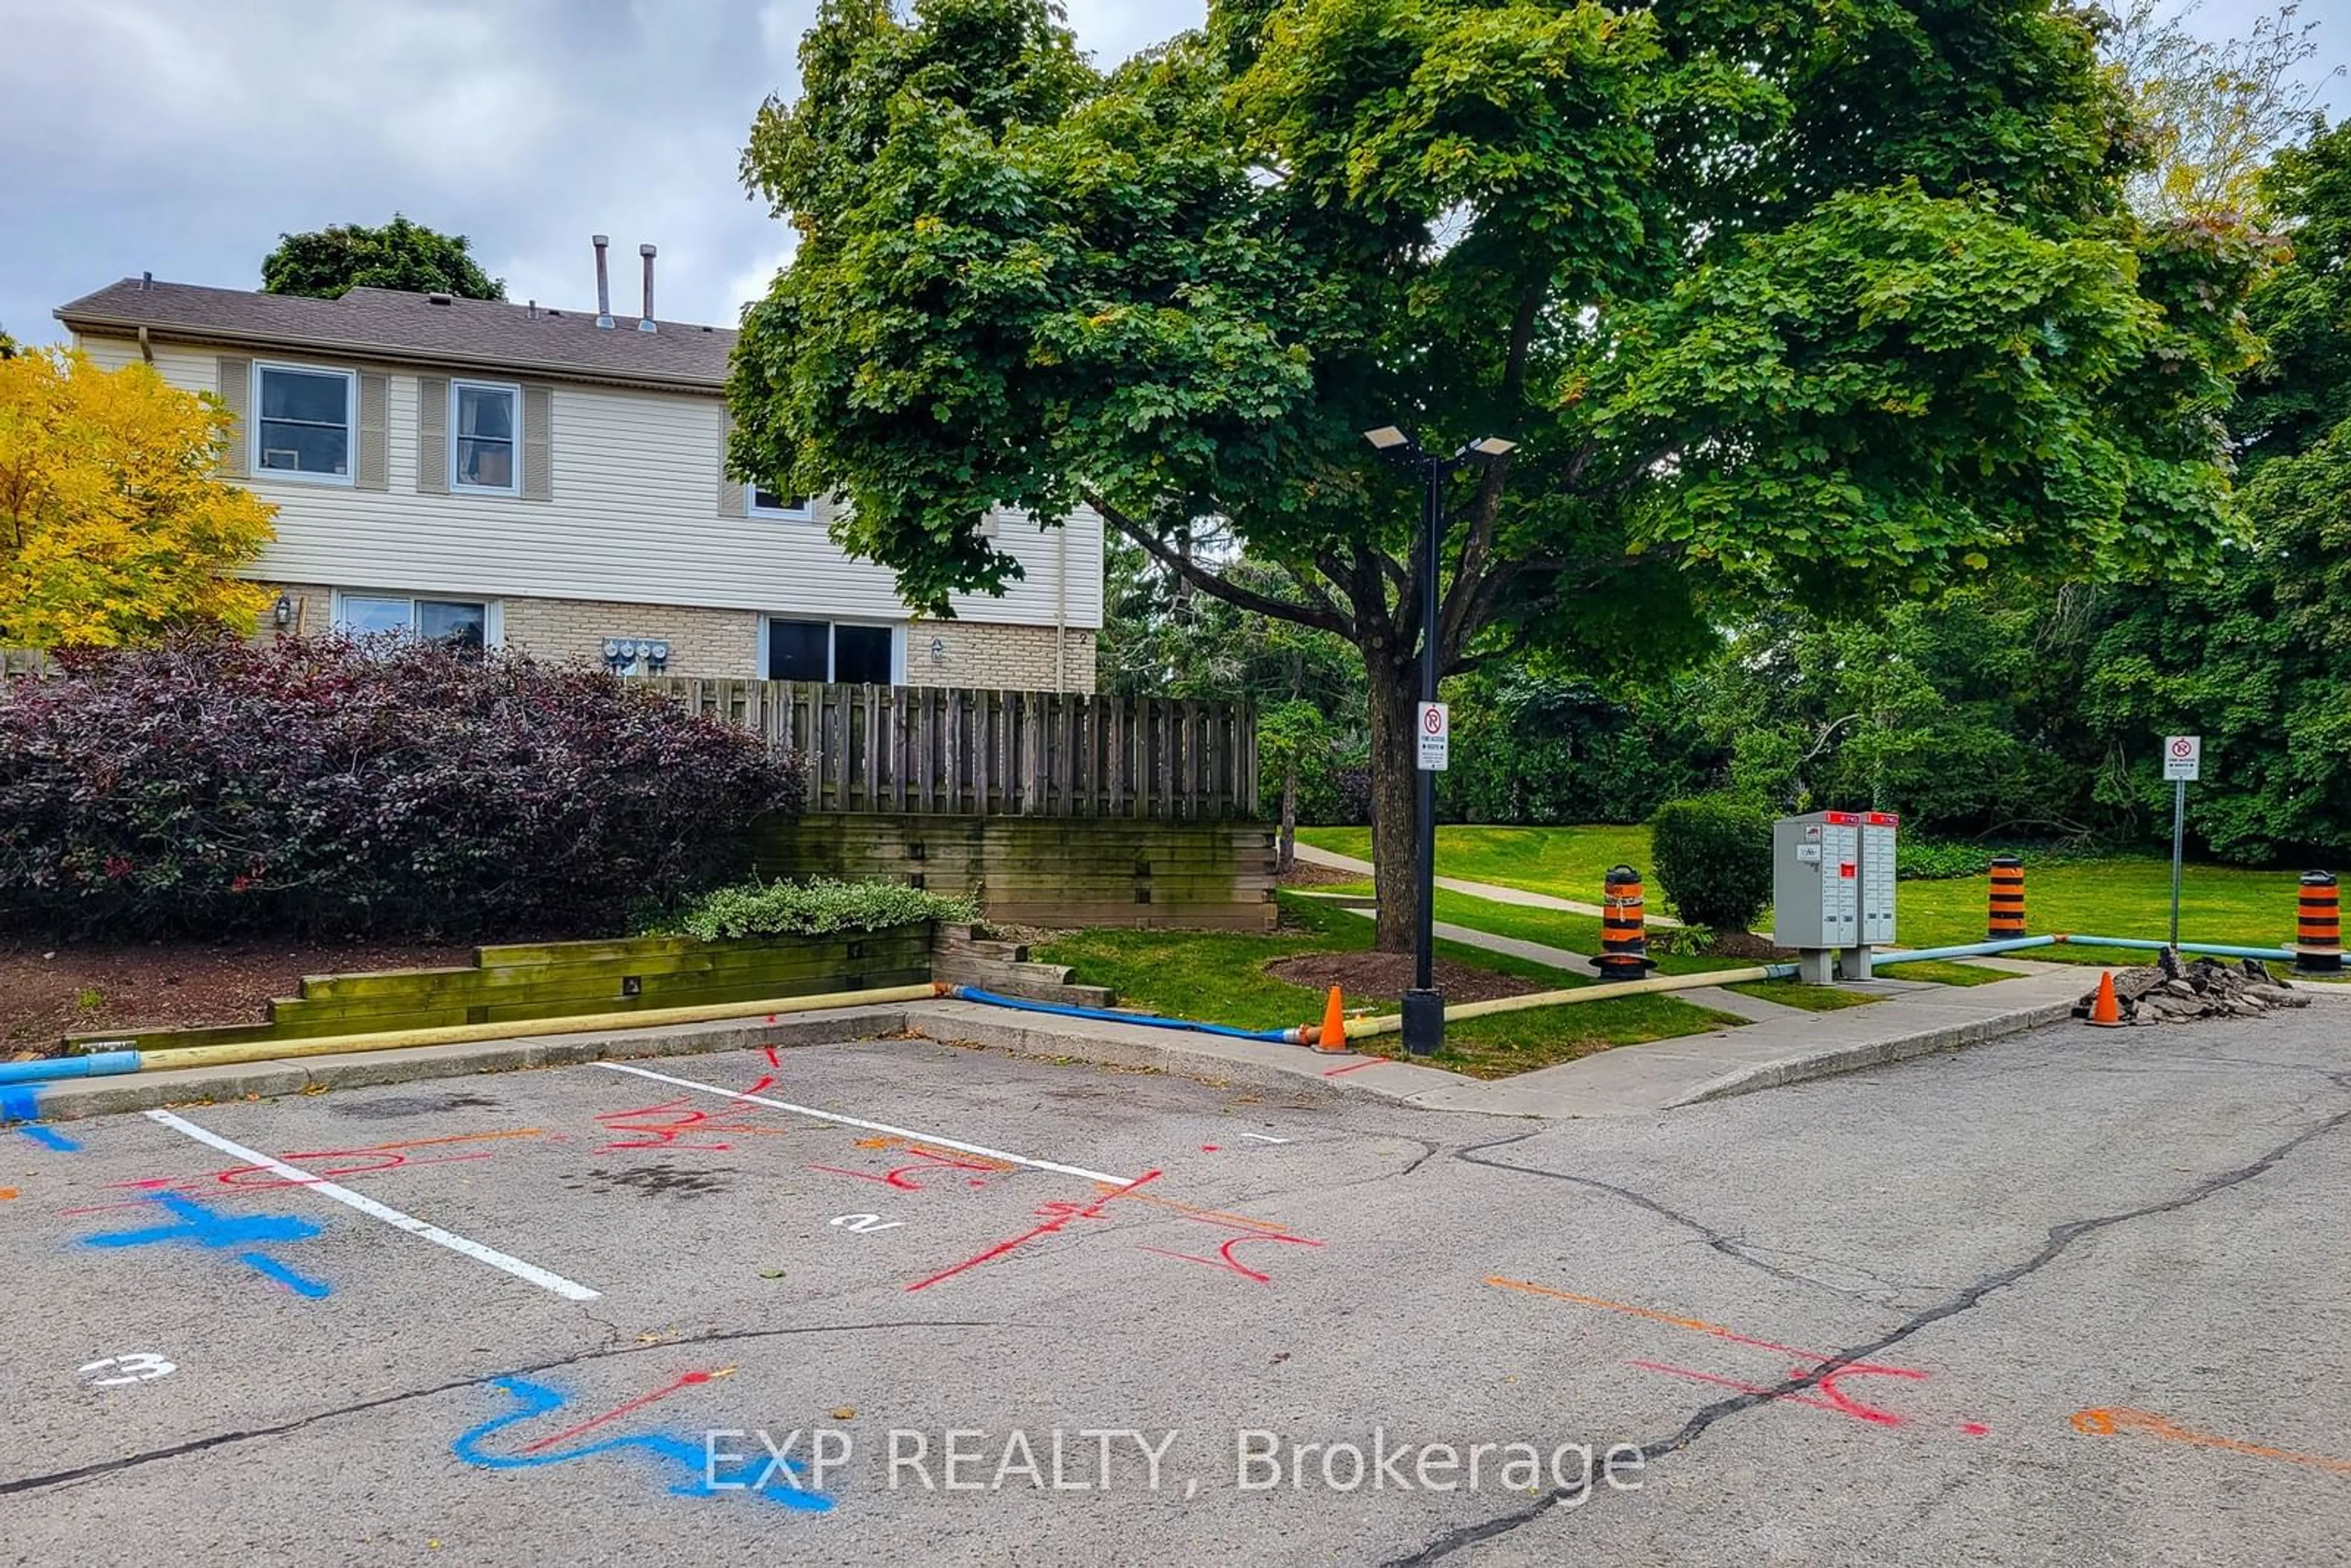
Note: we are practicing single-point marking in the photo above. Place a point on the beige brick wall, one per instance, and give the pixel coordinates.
(711, 644)
(702, 643)
(969, 654)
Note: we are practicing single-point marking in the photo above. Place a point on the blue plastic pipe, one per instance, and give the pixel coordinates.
(97, 1064)
(1972, 950)
(2281, 955)
(1148, 1020)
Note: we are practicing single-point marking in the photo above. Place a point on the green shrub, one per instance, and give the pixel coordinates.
(817, 907)
(1713, 859)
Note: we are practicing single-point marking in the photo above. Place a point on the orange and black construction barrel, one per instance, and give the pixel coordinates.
(1624, 928)
(2318, 931)
(2006, 916)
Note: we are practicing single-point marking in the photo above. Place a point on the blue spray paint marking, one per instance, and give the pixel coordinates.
(24, 1105)
(200, 1226)
(687, 1456)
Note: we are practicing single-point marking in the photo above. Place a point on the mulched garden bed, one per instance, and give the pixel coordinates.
(1747, 945)
(1387, 976)
(49, 990)
(1306, 873)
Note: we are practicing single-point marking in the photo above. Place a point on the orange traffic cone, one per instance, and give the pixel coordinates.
(2105, 1012)
(1332, 1036)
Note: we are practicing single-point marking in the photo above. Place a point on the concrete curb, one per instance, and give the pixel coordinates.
(1829, 1064)
(73, 1099)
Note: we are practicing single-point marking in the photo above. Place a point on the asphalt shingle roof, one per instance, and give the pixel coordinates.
(385, 324)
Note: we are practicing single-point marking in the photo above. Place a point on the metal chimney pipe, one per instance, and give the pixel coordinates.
(603, 284)
(645, 322)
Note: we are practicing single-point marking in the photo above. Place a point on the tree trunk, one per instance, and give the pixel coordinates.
(1286, 852)
(1396, 805)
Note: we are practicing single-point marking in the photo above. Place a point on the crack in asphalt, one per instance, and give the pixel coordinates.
(1730, 1247)
(598, 1353)
(2060, 1238)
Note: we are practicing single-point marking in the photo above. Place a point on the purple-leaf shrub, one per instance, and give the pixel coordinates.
(318, 786)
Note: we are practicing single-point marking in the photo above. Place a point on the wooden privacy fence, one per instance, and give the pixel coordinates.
(973, 752)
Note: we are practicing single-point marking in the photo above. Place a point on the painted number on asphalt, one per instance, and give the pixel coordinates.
(860, 1223)
(138, 1367)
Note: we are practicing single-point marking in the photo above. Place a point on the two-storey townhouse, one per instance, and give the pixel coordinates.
(551, 480)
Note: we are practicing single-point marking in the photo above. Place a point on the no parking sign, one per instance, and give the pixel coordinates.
(1435, 731)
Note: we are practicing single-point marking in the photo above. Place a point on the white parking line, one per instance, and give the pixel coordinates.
(566, 1289)
(980, 1149)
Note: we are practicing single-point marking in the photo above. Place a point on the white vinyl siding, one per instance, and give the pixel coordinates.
(629, 519)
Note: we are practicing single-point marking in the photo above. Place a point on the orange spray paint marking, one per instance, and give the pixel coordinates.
(688, 1381)
(1059, 1215)
(6, 1193)
(2105, 1423)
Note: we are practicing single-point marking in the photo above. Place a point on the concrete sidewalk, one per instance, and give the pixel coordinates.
(1330, 860)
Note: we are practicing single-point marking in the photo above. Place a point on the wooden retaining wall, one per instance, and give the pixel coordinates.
(558, 980)
(1052, 871)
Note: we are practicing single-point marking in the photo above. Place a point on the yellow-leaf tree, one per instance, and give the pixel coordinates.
(114, 525)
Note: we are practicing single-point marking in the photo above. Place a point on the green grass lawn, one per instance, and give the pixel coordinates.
(1940, 972)
(2120, 896)
(1218, 976)
(1551, 927)
(1566, 862)
(1809, 999)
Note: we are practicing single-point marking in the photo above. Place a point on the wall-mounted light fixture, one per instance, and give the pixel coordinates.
(283, 611)
(938, 649)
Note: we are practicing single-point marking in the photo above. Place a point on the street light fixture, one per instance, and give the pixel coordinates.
(1424, 1005)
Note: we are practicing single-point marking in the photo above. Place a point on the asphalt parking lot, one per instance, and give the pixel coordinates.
(2080, 1297)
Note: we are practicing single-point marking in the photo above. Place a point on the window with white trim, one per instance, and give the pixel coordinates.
(483, 417)
(834, 651)
(461, 623)
(303, 424)
(767, 503)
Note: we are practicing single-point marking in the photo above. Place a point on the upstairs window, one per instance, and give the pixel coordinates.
(766, 503)
(305, 424)
(483, 420)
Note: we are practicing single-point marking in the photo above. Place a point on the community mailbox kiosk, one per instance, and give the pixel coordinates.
(1832, 890)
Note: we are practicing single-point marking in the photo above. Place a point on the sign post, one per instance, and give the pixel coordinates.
(2183, 762)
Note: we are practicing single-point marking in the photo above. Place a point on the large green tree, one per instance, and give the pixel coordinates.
(2257, 657)
(1835, 299)
(401, 255)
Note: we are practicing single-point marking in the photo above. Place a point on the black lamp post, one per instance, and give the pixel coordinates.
(1424, 1005)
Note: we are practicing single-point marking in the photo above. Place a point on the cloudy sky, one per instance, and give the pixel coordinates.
(182, 139)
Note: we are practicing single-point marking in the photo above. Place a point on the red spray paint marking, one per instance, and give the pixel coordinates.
(1836, 1400)
(926, 1160)
(1224, 1258)
(1061, 1214)
(1355, 1067)
(688, 1381)
(765, 1082)
(771, 1050)
(651, 1134)
(323, 1165)
(1831, 1398)
(1209, 1148)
